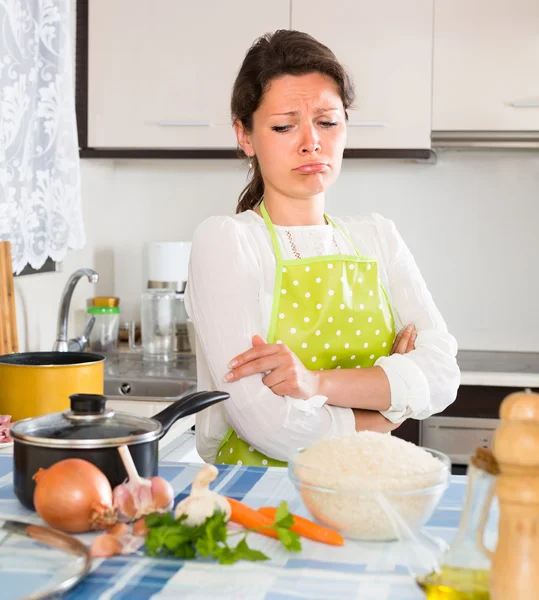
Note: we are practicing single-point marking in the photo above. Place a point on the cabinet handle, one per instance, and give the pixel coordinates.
(184, 124)
(533, 103)
(366, 124)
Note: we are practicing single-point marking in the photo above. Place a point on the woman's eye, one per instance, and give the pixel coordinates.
(329, 123)
(281, 128)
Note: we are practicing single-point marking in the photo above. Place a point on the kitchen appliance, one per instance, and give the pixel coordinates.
(158, 323)
(38, 383)
(458, 437)
(168, 266)
(8, 321)
(92, 432)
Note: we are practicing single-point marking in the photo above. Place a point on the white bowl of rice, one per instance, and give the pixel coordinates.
(370, 486)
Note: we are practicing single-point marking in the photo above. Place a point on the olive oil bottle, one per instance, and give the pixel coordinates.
(453, 583)
(465, 570)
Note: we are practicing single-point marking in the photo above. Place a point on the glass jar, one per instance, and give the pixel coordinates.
(104, 334)
(159, 317)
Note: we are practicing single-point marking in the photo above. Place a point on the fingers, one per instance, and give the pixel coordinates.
(254, 353)
(411, 343)
(404, 342)
(258, 340)
(274, 378)
(258, 365)
(398, 338)
(281, 389)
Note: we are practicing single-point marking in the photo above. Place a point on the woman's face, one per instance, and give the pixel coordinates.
(298, 135)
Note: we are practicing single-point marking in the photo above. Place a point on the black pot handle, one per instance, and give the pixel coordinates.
(188, 405)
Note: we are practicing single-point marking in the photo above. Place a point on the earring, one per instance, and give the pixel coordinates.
(250, 162)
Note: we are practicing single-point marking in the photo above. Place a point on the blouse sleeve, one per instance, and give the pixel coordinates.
(424, 381)
(223, 303)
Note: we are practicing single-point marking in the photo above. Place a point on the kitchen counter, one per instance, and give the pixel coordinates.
(370, 571)
(505, 369)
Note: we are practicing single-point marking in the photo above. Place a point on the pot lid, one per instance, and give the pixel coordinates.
(89, 424)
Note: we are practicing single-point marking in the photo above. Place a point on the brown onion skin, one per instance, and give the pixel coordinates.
(74, 496)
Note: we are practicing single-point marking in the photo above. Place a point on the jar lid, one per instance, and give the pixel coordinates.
(104, 310)
(89, 424)
(107, 301)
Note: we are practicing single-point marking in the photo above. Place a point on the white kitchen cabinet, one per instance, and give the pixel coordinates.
(160, 73)
(387, 47)
(486, 65)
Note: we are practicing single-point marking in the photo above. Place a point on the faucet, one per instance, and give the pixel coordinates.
(77, 344)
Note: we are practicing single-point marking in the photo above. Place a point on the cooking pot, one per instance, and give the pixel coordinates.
(92, 432)
(38, 383)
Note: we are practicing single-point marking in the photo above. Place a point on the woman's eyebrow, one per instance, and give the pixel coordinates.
(294, 113)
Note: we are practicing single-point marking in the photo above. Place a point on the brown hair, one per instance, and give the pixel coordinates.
(285, 52)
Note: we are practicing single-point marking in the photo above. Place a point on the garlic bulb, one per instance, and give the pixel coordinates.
(202, 503)
(140, 496)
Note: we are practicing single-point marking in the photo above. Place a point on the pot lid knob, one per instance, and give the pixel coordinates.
(87, 404)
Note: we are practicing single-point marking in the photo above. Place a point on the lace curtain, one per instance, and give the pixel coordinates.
(40, 205)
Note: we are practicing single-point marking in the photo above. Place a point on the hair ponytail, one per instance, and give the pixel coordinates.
(252, 193)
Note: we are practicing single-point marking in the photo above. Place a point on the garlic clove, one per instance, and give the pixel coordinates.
(202, 503)
(131, 543)
(196, 509)
(105, 545)
(124, 502)
(119, 529)
(140, 529)
(162, 494)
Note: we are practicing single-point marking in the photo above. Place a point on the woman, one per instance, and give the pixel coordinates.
(295, 312)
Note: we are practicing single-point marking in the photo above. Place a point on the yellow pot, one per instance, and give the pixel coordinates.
(38, 383)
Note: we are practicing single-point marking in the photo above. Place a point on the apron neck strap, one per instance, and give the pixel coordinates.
(275, 240)
(272, 232)
(345, 233)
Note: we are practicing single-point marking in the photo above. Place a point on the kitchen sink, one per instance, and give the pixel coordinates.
(146, 388)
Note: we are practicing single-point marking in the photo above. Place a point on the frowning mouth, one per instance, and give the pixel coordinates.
(312, 168)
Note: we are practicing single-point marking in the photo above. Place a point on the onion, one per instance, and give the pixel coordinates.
(74, 496)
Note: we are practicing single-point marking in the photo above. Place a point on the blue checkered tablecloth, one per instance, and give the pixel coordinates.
(366, 571)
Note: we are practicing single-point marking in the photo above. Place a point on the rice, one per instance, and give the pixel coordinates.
(354, 470)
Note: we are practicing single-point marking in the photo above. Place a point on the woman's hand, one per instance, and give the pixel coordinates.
(285, 373)
(405, 341)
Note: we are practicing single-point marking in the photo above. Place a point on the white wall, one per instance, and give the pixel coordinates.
(470, 220)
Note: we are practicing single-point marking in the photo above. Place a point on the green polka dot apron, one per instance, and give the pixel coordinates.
(331, 311)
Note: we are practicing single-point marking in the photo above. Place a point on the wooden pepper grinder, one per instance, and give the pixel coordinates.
(515, 563)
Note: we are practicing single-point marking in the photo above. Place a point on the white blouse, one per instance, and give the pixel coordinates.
(229, 298)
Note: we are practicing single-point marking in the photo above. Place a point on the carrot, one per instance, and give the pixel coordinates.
(308, 529)
(250, 519)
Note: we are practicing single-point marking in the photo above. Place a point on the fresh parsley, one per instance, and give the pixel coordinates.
(171, 537)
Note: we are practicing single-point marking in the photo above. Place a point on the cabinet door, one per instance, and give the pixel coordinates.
(160, 72)
(486, 65)
(387, 47)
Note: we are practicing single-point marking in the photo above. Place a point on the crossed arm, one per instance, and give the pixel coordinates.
(365, 390)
